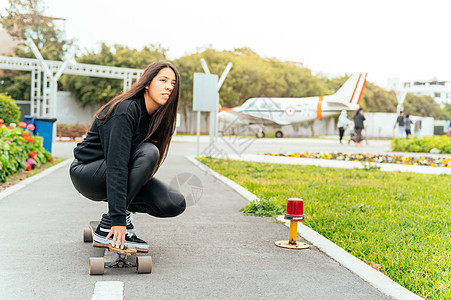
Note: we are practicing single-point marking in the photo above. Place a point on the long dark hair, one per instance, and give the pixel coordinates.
(163, 120)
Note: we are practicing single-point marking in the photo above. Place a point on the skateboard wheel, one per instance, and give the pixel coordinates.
(96, 266)
(144, 264)
(87, 235)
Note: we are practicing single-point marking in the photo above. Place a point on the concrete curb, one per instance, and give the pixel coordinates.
(355, 265)
(20, 185)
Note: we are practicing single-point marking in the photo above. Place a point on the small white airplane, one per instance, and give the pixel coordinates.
(278, 112)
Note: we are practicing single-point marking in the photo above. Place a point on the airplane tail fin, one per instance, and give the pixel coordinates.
(350, 92)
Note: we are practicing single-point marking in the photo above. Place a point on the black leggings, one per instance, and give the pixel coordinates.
(152, 196)
(342, 132)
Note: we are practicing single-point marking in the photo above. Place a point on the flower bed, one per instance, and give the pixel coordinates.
(374, 158)
(20, 149)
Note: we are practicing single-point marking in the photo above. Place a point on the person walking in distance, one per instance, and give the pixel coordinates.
(358, 125)
(407, 123)
(342, 123)
(401, 124)
(127, 143)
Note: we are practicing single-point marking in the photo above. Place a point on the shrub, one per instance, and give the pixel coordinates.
(9, 111)
(20, 150)
(263, 208)
(425, 145)
(72, 131)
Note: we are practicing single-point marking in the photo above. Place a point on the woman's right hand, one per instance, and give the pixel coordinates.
(118, 233)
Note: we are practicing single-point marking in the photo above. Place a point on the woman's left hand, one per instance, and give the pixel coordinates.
(118, 233)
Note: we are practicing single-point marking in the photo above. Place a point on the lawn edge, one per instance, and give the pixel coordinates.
(377, 279)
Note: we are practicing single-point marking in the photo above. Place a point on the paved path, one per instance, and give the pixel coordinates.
(210, 251)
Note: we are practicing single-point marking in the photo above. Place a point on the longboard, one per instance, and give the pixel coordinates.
(97, 265)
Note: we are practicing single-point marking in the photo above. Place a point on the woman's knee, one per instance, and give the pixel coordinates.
(89, 180)
(168, 205)
(176, 204)
(159, 200)
(147, 152)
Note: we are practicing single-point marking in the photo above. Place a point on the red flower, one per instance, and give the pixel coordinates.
(22, 124)
(32, 154)
(31, 126)
(25, 134)
(29, 167)
(50, 159)
(2, 121)
(30, 139)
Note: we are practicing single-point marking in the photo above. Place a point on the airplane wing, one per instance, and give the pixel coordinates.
(252, 119)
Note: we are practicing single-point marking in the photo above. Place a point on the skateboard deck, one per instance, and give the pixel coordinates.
(97, 265)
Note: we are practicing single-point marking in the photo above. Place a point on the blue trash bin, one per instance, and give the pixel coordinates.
(28, 119)
(44, 129)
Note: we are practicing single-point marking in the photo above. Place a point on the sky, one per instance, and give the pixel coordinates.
(409, 40)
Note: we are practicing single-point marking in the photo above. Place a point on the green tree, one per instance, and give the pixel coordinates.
(92, 90)
(424, 106)
(377, 99)
(447, 109)
(25, 19)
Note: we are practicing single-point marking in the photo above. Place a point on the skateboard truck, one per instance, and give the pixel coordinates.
(121, 260)
(294, 213)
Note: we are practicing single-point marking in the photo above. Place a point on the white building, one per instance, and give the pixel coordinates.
(439, 90)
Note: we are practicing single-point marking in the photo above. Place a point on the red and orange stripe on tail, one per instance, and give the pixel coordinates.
(319, 110)
(361, 92)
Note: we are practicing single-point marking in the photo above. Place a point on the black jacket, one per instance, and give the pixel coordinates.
(400, 120)
(358, 120)
(113, 140)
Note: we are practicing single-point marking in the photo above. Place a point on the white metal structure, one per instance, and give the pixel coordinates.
(41, 103)
(396, 85)
(213, 114)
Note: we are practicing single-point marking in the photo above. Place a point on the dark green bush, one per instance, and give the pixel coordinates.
(9, 111)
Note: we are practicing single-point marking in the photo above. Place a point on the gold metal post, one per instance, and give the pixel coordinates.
(293, 232)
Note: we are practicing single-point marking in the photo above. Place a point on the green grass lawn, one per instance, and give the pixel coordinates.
(401, 221)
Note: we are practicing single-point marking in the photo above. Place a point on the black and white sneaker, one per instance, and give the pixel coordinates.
(131, 240)
(106, 222)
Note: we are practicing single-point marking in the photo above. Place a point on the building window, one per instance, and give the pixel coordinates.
(437, 95)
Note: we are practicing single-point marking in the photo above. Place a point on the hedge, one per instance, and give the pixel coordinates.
(9, 111)
(424, 145)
